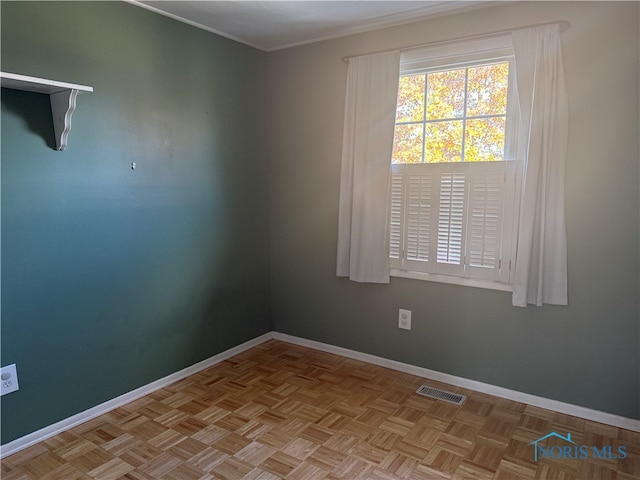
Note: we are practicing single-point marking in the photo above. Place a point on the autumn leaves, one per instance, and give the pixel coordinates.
(452, 115)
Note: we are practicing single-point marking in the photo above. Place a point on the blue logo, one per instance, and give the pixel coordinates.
(573, 450)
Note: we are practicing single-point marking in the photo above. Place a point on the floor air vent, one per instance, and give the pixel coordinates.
(441, 395)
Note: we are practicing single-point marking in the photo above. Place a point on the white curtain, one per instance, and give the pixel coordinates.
(369, 118)
(541, 259)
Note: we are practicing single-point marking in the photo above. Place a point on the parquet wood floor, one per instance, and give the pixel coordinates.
(283, 411)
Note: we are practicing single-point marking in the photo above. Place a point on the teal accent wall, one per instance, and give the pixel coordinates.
(113, 277)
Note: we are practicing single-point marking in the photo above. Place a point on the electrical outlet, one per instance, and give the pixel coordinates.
(8, 379)
(404, 319)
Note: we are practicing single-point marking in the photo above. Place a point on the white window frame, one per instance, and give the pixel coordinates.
(425, 210)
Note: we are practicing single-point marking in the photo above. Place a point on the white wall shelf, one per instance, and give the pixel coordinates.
(62, 96)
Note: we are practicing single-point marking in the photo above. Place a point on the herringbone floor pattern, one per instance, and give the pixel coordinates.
(284, 411)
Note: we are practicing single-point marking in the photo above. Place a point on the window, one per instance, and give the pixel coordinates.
(454, 168)
(493, 184)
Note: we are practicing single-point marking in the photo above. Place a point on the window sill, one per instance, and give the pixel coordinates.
(468, 282)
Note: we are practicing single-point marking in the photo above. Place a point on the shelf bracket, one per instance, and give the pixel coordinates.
(62, 97)
(62, 106)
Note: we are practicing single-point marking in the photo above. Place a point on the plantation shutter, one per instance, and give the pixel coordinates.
(418, 218)
(485, 223)
(453, 219)
(395, 224)
(489, 219)
(451, 222)
(411, 218)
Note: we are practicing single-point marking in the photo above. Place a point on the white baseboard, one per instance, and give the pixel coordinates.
(554, 405)
(58, 427)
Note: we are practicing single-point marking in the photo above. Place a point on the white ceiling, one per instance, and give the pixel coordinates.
(274, 25)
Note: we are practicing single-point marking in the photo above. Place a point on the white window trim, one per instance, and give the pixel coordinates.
(450, 279)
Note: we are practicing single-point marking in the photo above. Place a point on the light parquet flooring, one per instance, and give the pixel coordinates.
(282, 411)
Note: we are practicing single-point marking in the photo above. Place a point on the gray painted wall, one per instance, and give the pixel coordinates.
(585, 354)
(113, 278)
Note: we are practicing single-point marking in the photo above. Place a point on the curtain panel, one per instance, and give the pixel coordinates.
(541, 260)
(369, 118)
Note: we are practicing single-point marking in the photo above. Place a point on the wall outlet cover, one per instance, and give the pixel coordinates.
(8, 379)
(404, 319)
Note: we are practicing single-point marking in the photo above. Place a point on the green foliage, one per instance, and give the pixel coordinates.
(452, 115)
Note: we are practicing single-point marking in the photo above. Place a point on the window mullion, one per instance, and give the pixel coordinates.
(424, 114)
(464, 114)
